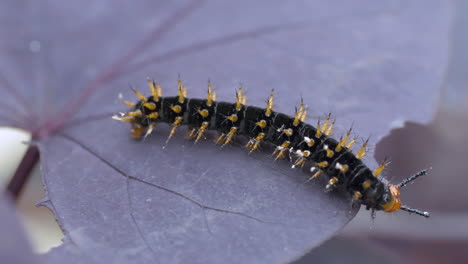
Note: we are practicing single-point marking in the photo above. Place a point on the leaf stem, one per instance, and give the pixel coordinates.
(23, 172)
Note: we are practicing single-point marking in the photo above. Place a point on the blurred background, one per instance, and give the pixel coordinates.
(391, 238)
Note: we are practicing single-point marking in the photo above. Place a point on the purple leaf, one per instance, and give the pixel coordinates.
(119, 200)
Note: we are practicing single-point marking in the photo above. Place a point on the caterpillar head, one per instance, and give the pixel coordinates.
(392, 200)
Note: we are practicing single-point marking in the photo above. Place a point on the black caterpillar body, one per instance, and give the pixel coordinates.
(293, 138)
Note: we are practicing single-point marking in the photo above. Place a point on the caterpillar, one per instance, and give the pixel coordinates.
(292, 138)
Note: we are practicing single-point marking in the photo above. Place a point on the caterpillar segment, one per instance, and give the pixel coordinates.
(302, 143)
(287, 132)
(259, 125)
(229, 118)
(203, 113)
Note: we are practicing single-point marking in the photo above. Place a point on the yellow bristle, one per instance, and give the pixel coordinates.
(181, 91)
(127, 103)
(318, 133)
(304, 115)
(342, 167)
(362, 151)
(343, 141)
(201, 130)
(381, 167)
(331, 183)
(317, 174)
(210, 98)
(281, 149)
(139, 95)
(220, 138)
(153, 115)
(339, 146)
(178, 120)
(298, 115)
(123, 118)
(203, 112)
(150, 106)
(233, 118)
(351, 144)
(154, 89)
(230, 135)
(240, 99)
(176, 109)
(269, 108)
(330, 153)
(325, 124)
(262, 123)
(288, 132)
(322, 164)
(137, 113)
(357, 195)
(330, 129)
(254, 143)
(149, 130)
